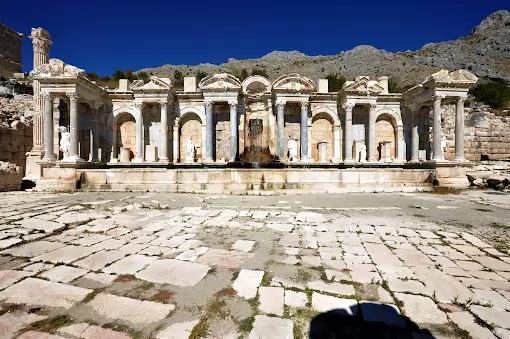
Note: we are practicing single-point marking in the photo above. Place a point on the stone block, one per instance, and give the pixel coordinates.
(151, 153)
(190, 84)
(124, 85)
(322, 86)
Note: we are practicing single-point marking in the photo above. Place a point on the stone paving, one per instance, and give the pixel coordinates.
(133, 267)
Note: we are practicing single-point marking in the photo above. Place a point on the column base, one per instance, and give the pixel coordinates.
(336, 160)
(414, 161)
(307, 161)
(72, 159)
(164, 159)
(137, 160)
(113, 161)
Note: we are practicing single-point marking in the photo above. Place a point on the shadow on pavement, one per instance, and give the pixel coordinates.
(367, 321)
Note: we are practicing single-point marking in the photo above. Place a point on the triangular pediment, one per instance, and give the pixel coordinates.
(221, 82)
(462, 75)
(363, 86)
(155, 84)
(57, 68)
(293, 83)
(458, 79)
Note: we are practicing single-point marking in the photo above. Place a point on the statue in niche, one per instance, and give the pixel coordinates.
(65, 141)
(363, 153)
(190, 150)
(292, 146)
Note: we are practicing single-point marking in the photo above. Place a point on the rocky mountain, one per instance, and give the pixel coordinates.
(485, 52)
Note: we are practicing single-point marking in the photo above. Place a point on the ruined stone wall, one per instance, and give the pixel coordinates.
(487, 136)
(10, 50)
(15, 141)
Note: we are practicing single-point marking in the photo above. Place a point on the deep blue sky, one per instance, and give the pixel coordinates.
(101, 36)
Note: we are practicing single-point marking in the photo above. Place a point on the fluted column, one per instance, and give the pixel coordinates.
(73, 124)
(371, 134)
(233, 130)
(348, 131)
(176, 141)
(163, 153)
(280, 111)
(459, 130)
(415, 137)
(436, 128)
(304, 131)
(337, 138)
(139, 132)
(94, 132)
(209, 134)
(48, 127)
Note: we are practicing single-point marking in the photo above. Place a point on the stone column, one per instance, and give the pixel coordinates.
(139, 133)
(280, 111)
(73, 126)
(459, 130)
(94, 132)
(371, 133)
(337, 138)
(163, 152)
(348, 132)
(176, 141)
(233, 130)
(49, 155)
(415, 137)
(209, 135)
(115, 147)
(436, 127)
(304, 131)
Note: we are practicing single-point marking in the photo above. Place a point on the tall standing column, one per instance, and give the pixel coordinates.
(304, 131)
(348, 131)
(371, 134)
(175, 141)
(209, 134)
(49, 155)
(163, 153)
(139, 133)
(415, 137)
(337, 138)
(436, 138)
(115, 148)
(280, 111)
(233, 130)
(94, 132)
(459, 130)
(73, 124)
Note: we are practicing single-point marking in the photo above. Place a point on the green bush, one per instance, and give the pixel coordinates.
(201, 75)
(394, 85)
(494, 94)
(335, 82)
(259, 71)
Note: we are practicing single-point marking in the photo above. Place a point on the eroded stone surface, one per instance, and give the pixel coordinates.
(175, 272)
(266, 327)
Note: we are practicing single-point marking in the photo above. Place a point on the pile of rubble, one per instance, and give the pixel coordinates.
(490, 174)
(18, 108)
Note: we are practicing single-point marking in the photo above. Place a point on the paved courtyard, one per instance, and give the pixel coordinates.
(159, 265)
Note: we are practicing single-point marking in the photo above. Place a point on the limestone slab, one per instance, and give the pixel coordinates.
(447, 288)
(10, 323)
(10, 277)
(271, 300)
(33, 249)
(130, 264)
(265, 327)
(295, 299)
(467, 322)
(414, 258)
(6, 243)
(99, 260)
(492, 316)
(502, 333)
(39, 335)
(388, 314)
(325, 303)
(247, 283)
(223, 258)
(493, 264)
(63, 273)
(41, 225)
(37, 292)
(336, 288)
(474, 240)
(175, 272)
(65, 255)
(243, 245)
(178, 330)
(129, 310)
(421, 309)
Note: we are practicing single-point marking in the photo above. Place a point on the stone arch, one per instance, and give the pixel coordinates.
(293, 83)
(387, 128)
(188, 110)
(249, 82)
(119, 110)
(191, 123)
(124, 133)
(221, 81)
(322, 130)
(328, 111)
(394, 116)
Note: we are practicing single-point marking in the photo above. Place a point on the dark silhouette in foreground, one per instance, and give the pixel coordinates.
(367, 321)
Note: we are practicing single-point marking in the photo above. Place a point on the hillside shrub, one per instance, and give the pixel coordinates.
(494, 94)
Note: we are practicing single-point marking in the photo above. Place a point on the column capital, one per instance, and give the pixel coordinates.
(305, 104)
(280, 104)
(73, 96)
(348, 106)
(373, 105)
(47, 95)
(138, 105)
(96, 104)
(232, 104)
(438, 98)
(461, 100)
(163, 104)
(208, 103)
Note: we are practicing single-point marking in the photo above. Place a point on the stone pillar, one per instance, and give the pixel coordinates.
(209, 134)
(459, 130)
(371, 133)
(280, 111)
(49, 155)
(115, 146)
(322, 146)
(164, 132)
(304, 131)
(176, 141)
(337, 138)
(73, 126)
(348, 132)
(415, 137)
(233, 130)
(139, 133)
(94, 132)
(436, 138)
